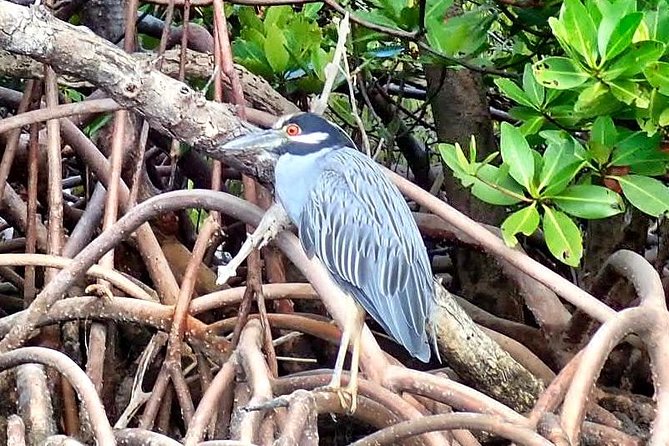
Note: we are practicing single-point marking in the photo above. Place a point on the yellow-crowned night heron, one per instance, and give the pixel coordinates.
(355, 221)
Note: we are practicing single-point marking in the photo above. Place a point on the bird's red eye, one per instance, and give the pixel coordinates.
(293, 130)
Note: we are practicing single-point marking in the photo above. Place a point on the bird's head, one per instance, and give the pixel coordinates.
(298, 134)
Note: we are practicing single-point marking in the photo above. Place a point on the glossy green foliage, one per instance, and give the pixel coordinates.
(285, 46)
(612, 59)
(550, 187)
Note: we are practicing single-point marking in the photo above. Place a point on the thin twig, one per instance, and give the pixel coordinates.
(320, 104)
(174, 346)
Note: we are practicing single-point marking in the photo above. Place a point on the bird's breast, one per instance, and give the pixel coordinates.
(295, 177)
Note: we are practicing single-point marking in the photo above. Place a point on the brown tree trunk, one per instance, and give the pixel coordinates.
(461, 110)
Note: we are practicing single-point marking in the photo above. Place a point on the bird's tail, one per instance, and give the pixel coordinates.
(432, 338)
(430, 326)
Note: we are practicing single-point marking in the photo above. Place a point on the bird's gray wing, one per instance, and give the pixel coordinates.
(357, 223)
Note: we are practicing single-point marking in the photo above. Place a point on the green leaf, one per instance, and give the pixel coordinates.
(559, 154)
(522, 113)
(553, 95)
(435, 10)
(644, 122)
(559, 73)
(658, 22)
(634, 59)
(610, 19)
(658, 102)
(377, 17)
(603, 136)
(593, 10)
(249, 19)
(524, 221)
(562, 178)
(641, 153)
(616, 8)
(472, 150)
(562, 36)
(589, 201)
(456, 160)
(513, 91)
(657, 74)
(534, 90)
(517, 154)
(646, 194)
(564, 114)
(607, 104)
(590, 96)
(650, 163)
(392, 8)
(73, 95)
(663, 119)
(634, 147)
(604, 131)
(461, 35)
(622, 34)
(538, 166)
(275, 51)
(582, 32)
(253, 35)
(277, 16)
(532, 125)
(557, 137)
(301, 38)
(310, 10)
(641, 33)
(494, 185)
(629, 93)
(563, 237)
(408, 18)
(252, 56)
(319, 59)
(341, 106)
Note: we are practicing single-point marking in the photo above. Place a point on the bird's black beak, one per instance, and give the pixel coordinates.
(254, 154)
(265, 140)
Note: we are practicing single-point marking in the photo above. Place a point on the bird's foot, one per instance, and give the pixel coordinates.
(275, 221)
(224, 273)
(348, 397)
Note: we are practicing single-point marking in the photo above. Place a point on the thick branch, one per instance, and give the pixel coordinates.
(478, 359)
(258, 93)
(170, 106)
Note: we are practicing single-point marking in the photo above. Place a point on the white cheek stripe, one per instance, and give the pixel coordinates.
(310, 138)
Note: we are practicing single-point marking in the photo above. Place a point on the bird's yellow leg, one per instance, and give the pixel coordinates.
(351, 335)
(356, 339)
(335, 382)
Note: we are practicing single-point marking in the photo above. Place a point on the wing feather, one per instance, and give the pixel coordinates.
(357, 223)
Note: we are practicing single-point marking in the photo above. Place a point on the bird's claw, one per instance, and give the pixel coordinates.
(348, 397)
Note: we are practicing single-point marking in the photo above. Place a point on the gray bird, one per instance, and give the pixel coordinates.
(353, 219)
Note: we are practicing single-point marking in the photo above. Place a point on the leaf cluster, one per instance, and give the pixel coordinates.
(285, 46)
(575, 154)
(560, 183)
(614, 60)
